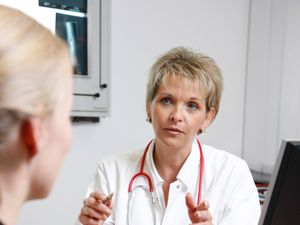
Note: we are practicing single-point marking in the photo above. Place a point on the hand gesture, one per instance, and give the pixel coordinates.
(96, 209)
(199, 215)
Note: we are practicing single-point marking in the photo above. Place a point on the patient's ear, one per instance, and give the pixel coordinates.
(29, 135)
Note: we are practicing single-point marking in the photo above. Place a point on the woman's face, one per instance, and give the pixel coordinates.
(178, 112)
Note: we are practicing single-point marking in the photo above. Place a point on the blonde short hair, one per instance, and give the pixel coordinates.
(190, 65)
(33, 69)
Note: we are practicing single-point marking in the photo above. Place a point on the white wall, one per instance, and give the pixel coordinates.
(272, 105)
(141, 30)
(290, 90)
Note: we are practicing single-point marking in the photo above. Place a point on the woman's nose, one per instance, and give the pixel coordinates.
(176, 115)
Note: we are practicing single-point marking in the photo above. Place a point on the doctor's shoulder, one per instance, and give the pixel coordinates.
(221, 162)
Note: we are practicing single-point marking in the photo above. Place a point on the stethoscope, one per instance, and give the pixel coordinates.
(150, 184)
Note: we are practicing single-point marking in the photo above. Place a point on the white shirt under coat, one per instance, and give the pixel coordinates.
(228, 186)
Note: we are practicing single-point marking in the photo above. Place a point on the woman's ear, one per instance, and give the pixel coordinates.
(148, 109)
(28, 135)
(210, 115)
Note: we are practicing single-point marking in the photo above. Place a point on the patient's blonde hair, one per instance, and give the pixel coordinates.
(34, 67)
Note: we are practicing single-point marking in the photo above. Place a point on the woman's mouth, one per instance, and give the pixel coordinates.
(173, 130)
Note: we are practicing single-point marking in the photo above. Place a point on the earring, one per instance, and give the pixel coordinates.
(148, 119)
(200, 131)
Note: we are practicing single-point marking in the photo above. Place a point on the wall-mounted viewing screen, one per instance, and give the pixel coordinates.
(85, 26)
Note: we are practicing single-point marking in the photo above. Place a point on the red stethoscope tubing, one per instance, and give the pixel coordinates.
(142, 173)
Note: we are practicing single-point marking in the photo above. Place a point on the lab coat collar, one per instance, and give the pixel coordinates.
(185, 176)
(150, 161)
(190, 165)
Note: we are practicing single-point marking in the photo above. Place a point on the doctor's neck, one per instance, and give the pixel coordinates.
(168, 162)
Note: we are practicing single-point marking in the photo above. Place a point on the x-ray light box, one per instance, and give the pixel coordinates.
(85, 26)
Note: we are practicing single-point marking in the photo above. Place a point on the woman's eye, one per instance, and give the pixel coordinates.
(166, 101)
(192, 106)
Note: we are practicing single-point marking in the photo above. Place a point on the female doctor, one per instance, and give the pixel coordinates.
(175, 180)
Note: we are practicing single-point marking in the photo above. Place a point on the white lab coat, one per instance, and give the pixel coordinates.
(227, 186)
